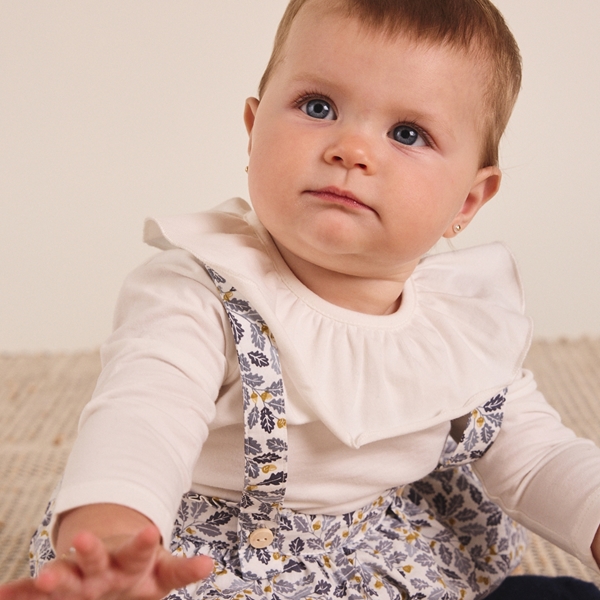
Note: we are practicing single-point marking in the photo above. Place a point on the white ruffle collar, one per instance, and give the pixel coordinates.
(459, 337)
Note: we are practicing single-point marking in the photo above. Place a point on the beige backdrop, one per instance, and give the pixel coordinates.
(111, 111)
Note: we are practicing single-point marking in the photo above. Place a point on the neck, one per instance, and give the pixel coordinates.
(366, 294)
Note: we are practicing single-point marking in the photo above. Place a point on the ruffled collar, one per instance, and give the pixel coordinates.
(458, 338)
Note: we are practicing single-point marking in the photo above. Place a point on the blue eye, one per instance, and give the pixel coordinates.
(317, 108)
(407, 135)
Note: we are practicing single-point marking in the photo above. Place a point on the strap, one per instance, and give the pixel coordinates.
(265, 439)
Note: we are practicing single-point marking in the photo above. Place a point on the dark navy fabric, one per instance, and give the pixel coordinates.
(533, 587)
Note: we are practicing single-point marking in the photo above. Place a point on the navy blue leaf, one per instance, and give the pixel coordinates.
(219, 518)
(267, 420)
(322, 587)
(292, 566)
(258, 359)
(296, 546)
(263, 555)
(236, 328)
(494, 404)
(440, 503)
(276, 478)
(269, 457)
(494, 519)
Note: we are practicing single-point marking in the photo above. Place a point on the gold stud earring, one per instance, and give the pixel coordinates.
(246, 169)
(457, 227)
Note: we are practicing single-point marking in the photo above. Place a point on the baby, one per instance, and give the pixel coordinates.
(298, 402)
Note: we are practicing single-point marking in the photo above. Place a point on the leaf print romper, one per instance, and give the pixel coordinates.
(438, 538)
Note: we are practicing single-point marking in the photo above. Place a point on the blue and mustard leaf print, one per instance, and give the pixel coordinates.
(257, 337)
(293, 566)
(252, 447)
(252, 380)
(236, 328)
(253, 417)
(258, 359)
(267, 420)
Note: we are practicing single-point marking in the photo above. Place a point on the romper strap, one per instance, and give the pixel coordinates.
(482, 428)
(265, 439)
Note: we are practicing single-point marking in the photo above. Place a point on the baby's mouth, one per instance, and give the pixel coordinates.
(339, 196)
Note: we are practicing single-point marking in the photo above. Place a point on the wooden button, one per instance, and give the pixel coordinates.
(261, 537)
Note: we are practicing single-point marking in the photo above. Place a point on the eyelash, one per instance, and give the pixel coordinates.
(313, 95)
(426, 137)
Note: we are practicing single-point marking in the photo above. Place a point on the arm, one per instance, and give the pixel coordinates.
(542, 475)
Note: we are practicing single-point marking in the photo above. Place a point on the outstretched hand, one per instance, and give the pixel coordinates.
(119, 568)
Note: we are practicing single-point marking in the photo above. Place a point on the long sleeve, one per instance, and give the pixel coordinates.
(141, 434)
(541, 474)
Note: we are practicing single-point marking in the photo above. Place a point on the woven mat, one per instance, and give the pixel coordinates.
(41, 397)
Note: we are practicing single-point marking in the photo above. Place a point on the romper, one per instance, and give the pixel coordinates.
(438, 538)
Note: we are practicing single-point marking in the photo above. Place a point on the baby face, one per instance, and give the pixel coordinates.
(364, 150)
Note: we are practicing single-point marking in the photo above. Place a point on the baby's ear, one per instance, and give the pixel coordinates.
(249, 116)
(485, 186)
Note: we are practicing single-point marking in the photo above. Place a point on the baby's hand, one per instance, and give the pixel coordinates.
(125, 568)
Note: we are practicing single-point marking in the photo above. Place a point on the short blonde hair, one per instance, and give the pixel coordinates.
(475, 27)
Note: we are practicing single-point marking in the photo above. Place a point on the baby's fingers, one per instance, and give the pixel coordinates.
(139, 554)
(173, 572)
(24, 589)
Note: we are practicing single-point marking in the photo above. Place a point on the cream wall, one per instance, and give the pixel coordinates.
(111, 111)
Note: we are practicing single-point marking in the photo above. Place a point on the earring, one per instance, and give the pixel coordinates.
(457, 228)
(246, 169)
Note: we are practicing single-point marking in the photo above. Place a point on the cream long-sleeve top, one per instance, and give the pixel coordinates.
(370, 399)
